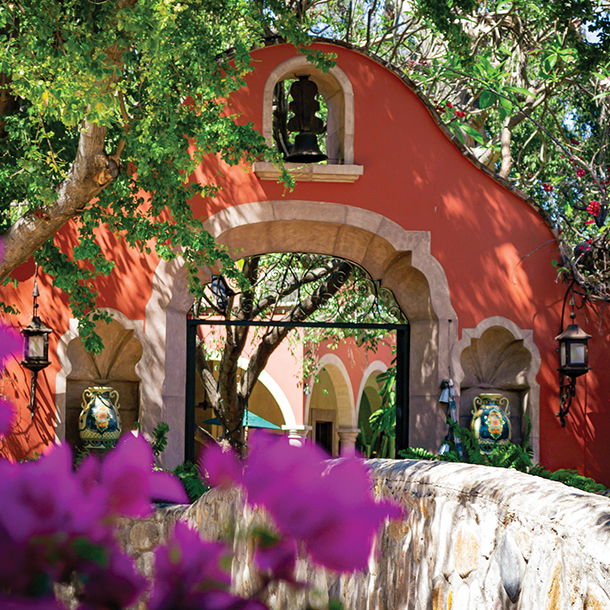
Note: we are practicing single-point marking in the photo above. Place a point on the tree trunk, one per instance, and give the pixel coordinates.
(91, 171)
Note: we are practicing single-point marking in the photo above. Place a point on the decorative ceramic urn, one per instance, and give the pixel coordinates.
(99, 423)
(490, 421)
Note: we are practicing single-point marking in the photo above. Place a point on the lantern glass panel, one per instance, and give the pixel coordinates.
(35, 347)
(577, 354)
(562, 355)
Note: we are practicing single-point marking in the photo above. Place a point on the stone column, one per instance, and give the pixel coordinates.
(347, 436)
(296, 435)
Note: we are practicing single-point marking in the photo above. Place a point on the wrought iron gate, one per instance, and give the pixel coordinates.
(380, 303)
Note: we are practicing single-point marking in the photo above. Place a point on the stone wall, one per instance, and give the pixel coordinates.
(475, 538)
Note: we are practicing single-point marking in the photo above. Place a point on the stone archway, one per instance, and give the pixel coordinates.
(119, 365)
(399, 259)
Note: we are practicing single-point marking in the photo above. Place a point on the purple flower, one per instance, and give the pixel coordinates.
(278, 559)
(43, 497)
(331, 510)
(29, 603)
(7, 417)
(191, 574)
(221, 466)
(115, 585)
(125, 482)
(10, 343)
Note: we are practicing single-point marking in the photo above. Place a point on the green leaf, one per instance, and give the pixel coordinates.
(549, 62)
(520, 90)
(487, 99)
(473, 133)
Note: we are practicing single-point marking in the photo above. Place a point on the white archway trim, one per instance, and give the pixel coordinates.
(66, 366)
(377, 366)
(531, 404)
(343, 390)
(276, 391)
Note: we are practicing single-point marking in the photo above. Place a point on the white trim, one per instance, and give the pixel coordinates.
(340, 378)
(278, 395)
(377, 366)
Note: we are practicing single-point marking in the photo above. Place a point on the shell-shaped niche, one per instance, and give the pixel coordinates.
(500, 363)
(115, 367)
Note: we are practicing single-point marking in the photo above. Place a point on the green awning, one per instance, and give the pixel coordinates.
(251, 420)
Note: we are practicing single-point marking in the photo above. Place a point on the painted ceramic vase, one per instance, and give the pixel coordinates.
(490, 421)
(99, 424)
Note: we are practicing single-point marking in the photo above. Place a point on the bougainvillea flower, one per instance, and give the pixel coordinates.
(331, 510)
(222, 467)
(593, 208)
(277, 559)
(580, 172)
(10, 343)
(547, 187)
(589, 222)
(190, 573)
(7, 417)
(115, 585)
(127, 482)
(42, 497)
(29, 603)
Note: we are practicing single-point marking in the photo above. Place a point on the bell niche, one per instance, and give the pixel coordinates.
(308, 115)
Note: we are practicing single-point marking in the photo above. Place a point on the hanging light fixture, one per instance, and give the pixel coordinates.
(35, 345)
(573, 362)
(222, 292)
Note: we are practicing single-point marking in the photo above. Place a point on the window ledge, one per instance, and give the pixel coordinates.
(310, 172)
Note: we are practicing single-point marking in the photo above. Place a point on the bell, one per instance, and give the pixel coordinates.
(305, 149)
(304, 122)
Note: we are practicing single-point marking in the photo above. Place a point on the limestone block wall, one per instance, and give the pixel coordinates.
(475, 538)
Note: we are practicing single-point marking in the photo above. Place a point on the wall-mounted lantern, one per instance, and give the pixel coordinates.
(573, 362)
(222, 292)
(35, 346)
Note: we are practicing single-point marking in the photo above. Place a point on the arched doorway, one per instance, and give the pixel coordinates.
(400, 260)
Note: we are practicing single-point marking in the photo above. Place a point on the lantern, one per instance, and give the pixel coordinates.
(573, 351)
(35, 346)
(573, 362)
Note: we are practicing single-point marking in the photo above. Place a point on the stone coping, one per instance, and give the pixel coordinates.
(309, 172)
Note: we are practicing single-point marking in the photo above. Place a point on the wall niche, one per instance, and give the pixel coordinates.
(497, 362)
(114, 366)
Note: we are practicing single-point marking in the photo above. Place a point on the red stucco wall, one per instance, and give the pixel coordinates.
(495, 249)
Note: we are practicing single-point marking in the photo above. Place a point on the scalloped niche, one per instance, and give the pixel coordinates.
(497, 362)
(114, 366)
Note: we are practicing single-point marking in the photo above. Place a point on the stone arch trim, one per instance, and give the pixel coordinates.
(66, 366)
(532, 406)
(335, 87)
(346, 407)
(278, 395)
(400, 259)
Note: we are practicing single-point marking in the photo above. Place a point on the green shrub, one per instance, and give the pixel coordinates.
(512, 455)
